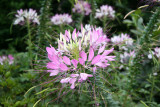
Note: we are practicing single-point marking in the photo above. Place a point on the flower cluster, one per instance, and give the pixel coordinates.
(82, 7)
(122, 39)
(126, 56)
(105, 11)
(78, 58)
(23, 16)
(156, 52)
(60, 19)
(6, 59)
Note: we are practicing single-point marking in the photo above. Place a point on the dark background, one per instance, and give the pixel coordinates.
(11, 37)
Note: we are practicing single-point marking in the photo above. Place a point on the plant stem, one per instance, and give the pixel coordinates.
(29, 42)
(104, 24)
(151, 95)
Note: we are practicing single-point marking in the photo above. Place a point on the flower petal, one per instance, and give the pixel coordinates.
(74, 62)
(51, 65)
(81, 61)
(65, 80)
(101, 49)
(94, 69)
(66, 60)
(51, 50)
(74, 36)
(83, 55)
(74, 75)
(84, 76)
(63, 67)
(53, 72)
(106, 52)
(96, 59)
(91, 54)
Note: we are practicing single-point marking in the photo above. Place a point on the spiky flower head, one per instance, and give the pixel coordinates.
(105, 11)
(122, 39)
(78, 58)
(156, 52)
(23, 16)
(60, 19)
(6, 59)
(126, 56)
(82, 7)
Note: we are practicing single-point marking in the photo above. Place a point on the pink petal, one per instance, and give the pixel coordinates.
(110, 58)
(84, 76)
(80, 44)
(10, 57)
(74, 75)
(51, 50)
(83, 55)
(106, 52)
(101, 49)
(51, 65)
(81, 61)
(74, 62)
(66, 36)
(91, 54)
(54, 59)
(65, 80)
(94, 69)
(53, 72)
(74, 34)
(66, 60)
(63, 67)
(72, 86)
(100, 64)
(72, 81)
(96, 59)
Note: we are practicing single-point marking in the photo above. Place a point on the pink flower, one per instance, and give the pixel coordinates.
(77, 58)
(82, 7)
(105, 11)
(60, 19)
(5, 59)
(122, 39)
(23, 15)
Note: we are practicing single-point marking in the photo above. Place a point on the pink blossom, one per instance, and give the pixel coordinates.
(23, 16)
(78, 58)
(82, 7)
(105, 11)
(122, 39)
(6, 59)
(60, 19)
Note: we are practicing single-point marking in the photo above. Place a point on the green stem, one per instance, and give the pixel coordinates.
(29, 41)
(151, 95)
(104, 24)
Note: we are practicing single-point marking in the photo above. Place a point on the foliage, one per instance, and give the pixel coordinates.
(130, 81)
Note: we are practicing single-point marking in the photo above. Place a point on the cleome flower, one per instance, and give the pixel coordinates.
(78, 58)
(156, 52)
(6, 59)
(23, 15)
(60, 19)
(126, 56)
(105, 11)
(122, 39)
(82, 7)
